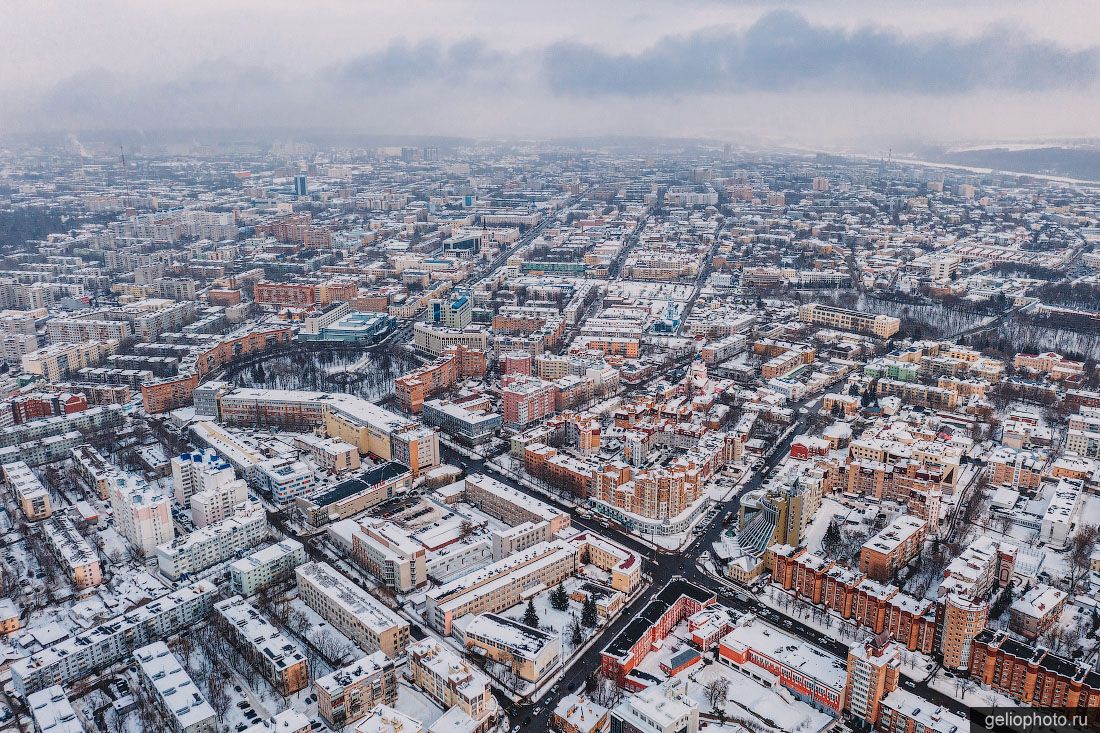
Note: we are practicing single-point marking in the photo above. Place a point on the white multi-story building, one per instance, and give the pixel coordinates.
(142, 513)
(1061, 513)
(52, 711)
(285, 481)
(78, 656)
(198, 471)
(214, 543)
(354, 612)
(265, 567)
(216, 503)
(664, 708)
(389, 553)
(181, 704)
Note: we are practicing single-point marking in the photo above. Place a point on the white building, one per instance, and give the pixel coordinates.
(664, 708)
(181, 704)
(78, 656)
(389, 553)
(142, 513)
(215, 543)
(265, 567)
(1061, 513)
(216, 503)
(198, 471)
(285, 480)
(52, 712)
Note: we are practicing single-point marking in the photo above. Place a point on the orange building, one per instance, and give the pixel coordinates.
(168, 394)
(457, 363)
(888, 551)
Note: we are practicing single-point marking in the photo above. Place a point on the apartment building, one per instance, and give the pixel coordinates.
(196, 551)
(33, 499)
(57, 361)
(1032, 675)
(888, 551)
(198, 471)
(846, 320)
(182, 705)
(452, 683)
(354, 612)
(216, 503)
(873, 672)
(351, 692)
(500, 585)
(280, 661)
(390, 554)
(963, 618)
(76, 330)
(266, 567)
(89, 651)
(851, 594)
(79, 559)
(526, 400)
(38, 405)
(510, 505)
(95, 419)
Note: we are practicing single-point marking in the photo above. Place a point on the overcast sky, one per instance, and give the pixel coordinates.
(815, 72)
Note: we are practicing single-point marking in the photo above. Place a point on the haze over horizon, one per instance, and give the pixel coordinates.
(863, 76)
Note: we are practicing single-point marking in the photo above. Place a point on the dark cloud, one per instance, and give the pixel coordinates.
(783, 51)
(401, 64)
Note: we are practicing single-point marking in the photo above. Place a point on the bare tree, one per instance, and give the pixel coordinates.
(1081, 545)
(716, 692)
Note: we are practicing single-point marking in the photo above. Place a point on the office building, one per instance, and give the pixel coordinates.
(663, 708)
(531, 653)
(354, 612)
(845, 320)
(390, 554)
